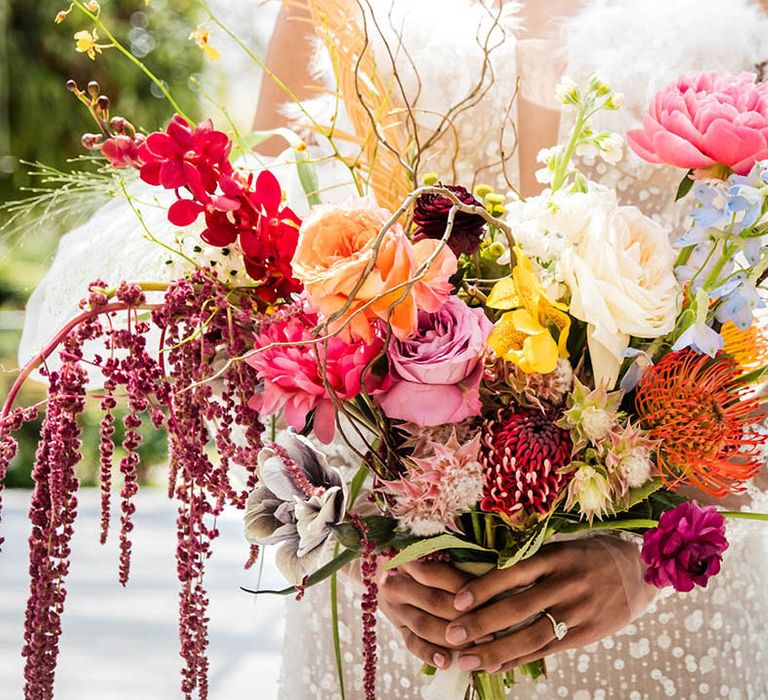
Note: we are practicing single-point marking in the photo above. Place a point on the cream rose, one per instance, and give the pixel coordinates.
(618, 265)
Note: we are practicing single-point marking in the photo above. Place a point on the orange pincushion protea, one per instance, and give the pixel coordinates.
(695, 407)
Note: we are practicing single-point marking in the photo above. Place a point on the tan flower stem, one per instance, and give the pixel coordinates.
(138, 63)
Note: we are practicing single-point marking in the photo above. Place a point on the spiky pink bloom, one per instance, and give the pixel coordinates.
(308, 375)
(437, 488)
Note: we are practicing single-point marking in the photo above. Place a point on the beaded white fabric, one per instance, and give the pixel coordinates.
(710, 643)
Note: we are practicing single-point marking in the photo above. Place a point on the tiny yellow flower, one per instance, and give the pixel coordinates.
(202, 37)
(533, 332)
(86, 42)
(93, 6)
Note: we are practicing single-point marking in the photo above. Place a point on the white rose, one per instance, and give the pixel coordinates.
(618, 265)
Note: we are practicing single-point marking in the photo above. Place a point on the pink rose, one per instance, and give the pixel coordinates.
(704, 120)
(435, 375)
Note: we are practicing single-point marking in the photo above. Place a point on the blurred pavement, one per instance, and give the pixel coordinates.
(121, 644)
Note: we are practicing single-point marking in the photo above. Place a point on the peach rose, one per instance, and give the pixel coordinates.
(336, 246)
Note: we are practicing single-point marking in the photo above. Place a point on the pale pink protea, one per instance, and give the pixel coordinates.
(629, 458)
(297, 378)
(418, 440)
(436, 489)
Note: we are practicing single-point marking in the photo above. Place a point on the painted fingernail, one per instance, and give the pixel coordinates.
(439, 660)
(469, 663)
(456, 635)
(463, 601)
(483, 640)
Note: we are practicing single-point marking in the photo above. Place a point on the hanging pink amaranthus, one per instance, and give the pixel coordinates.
(202, 328)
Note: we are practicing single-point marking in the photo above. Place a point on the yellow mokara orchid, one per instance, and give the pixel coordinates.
(202, 37)
(87, 42)
(524, 334)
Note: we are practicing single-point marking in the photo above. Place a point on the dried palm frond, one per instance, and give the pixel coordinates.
(379, 124)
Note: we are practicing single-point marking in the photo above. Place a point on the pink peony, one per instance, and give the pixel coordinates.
(704, 120)
(294, 381)
(435, 375)
(686, 548)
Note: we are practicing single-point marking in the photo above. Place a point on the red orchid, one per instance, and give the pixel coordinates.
(122, 151)
(193, 158)
(268, 234)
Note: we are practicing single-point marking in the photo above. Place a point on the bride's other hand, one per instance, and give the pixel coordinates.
(418, 598)
(594, 585)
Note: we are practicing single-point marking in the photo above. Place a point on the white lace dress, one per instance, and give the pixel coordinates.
(710, 643)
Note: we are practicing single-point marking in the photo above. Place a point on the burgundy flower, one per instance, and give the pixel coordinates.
(430, 216)
(686, 548)
(523, 452)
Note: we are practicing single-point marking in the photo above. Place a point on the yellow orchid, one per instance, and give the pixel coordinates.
(524, 334)
(87, 42)
(202, 37)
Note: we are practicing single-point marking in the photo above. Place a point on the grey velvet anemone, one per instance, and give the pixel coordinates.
(298, 498)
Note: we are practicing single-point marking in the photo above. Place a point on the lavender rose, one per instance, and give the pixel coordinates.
(435, 375)
(686, 548)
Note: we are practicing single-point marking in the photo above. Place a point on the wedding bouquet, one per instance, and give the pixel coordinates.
(506, 371)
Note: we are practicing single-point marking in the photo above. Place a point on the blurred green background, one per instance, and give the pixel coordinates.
(41, 121)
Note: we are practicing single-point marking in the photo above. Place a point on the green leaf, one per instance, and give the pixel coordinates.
(756, 376)
(335, 625)
(307, 177)
(642, 494)
(512, 555)
(320, 575)
(254, 138)
(685, 186)
(534, 669)
(422, 548)
(380, 529)
(357, 483)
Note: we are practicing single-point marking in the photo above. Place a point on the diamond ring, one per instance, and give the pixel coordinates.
(559, 628)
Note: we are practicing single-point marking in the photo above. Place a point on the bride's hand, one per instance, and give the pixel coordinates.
(418, 599)
(594, 585)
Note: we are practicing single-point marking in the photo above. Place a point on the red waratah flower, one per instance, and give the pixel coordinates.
(430, 216)
(694, 407)
(192, 158)
(686, 548)
(122, 151)
(523, 452)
